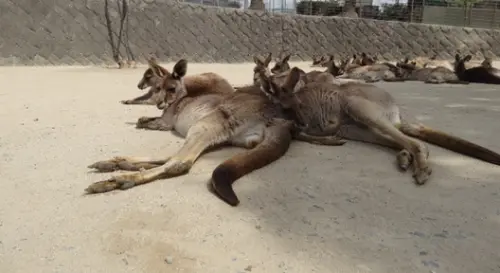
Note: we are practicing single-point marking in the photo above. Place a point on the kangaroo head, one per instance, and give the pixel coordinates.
(487, 63)
(366, 60)
(318, 61)
(460, 62)
(332, 68)
(260, 64)
(281, 65)
(173, 84)
(152, 76)
(281, 89)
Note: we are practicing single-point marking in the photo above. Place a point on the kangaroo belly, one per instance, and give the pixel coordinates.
(194, 111)
(249, 134)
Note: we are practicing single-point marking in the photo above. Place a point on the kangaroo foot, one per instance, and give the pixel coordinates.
(126, 164)
(421, 175)
(153, 123)
(404, 160)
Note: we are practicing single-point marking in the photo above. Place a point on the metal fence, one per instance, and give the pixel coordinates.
(469, 13)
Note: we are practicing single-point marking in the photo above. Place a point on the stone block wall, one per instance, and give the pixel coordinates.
(73, 32)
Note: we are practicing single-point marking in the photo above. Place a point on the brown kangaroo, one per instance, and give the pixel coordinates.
(372, 73)
(332, 70)
(155, 75)
(435, 75)
(154, 95)
(281, 65)
(330, 114)
(206, 118)
(479, 74)
(319, 61)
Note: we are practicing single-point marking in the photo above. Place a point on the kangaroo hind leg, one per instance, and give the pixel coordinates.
(374, 116)
(208, 132)
(367, 135)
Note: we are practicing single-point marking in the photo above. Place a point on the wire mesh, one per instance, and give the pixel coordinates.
(469, 13)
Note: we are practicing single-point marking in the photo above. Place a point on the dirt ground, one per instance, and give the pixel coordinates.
(318, 209)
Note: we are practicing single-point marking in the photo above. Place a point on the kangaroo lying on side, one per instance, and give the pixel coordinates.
(480, 74)
(319, 61)
(206, 118)
(436, 75)
(332, 70)
(155, 95)
(371, 73)
(331, 114)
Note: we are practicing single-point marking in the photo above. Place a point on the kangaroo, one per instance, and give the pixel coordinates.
(436, 75)
(479, 74)
(154, 95)
(155, 74)
(366, 60)
(434, 63)
(372, 73)
(488, 63)
(281, 65)
(332, 70)
(206, 118)
(330, 114)
(319, 61)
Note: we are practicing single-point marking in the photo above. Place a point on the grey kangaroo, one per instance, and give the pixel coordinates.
(205, 117)
(330, 114)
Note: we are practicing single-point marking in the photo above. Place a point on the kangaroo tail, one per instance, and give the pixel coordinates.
(450, 142)
(277, 138)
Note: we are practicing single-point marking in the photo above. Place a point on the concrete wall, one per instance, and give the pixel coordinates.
(71, 32)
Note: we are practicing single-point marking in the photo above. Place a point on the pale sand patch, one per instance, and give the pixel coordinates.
(318, 209)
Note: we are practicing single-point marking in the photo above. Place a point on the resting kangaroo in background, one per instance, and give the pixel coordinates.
(154, 78)
(329, 114)
(372, 73)
(436, 75)
(206, 118)
(479, 74)
(319, 61)
(332, 70)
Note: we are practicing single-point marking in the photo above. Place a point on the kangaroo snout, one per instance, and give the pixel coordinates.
(141, 85)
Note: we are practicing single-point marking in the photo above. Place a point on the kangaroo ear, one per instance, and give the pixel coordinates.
(268, 60)
(257, 60)
(467, 58)
(457, 57)
(292, 79)
(180, 69)
(157, 69)
(286, 59)
(433, 57)
(363, 55)
(331, 57)
(406, 60)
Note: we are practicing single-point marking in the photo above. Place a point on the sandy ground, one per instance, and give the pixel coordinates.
(318, 209)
